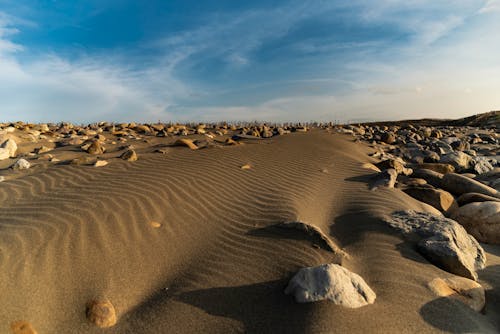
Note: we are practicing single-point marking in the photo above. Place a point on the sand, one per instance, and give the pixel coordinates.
(185, 241)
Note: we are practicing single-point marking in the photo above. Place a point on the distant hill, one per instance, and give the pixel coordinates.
(488, 119)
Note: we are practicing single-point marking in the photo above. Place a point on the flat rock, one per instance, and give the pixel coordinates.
(330, 282)
(481, 219)
(100, 163)
(460, 160)
(459, 288)
(101, 313)
(459, 184)
(443, 241)
(430, 176)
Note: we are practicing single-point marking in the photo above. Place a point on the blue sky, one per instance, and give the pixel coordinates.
(84, 61)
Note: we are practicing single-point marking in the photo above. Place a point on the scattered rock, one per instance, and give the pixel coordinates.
(388, 137)
(460, 160)
(331, 282)
(459, 288)
(101, 313)
(481, 219)
(186, 142)
(22, 327)
(442, 241)
(100, 163)
(459, 184)
(95, 148)
(21, 164)
(129, 155)
(247, 166)
(154, 224)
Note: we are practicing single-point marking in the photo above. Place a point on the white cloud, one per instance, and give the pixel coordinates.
(490, 6)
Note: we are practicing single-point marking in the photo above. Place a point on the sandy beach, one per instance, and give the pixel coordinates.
(192, 240)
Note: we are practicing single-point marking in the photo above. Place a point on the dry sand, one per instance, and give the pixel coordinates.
(186, 242)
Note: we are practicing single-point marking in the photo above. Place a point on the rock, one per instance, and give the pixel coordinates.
(186, 142)
(438, 167)
(388, 138)
(442, 241)
(460, 160)
(101, 313)
(96, 148)
(475, 197)
(22, 327)
(247, 166)
(396, 164)
(4, 153)
(431, 177)
(129, 155)
(331, 282)
(386, 178)
(2, 178)
(81, 161)
(21, 164)
(438, 198)
(230, 141)
(482, 165)
(42, 149)
(11, 147)
(458, 184)
(481, 219)
(100, 163)
(313, 231)
(154, 224)
(459, 288)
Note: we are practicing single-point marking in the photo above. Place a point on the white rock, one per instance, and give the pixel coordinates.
(481, 219)
(11, 147)
(332, 282)
(100, 163)
(21, 164)
(4, 153)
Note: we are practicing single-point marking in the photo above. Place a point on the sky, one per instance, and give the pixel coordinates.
(231, 60)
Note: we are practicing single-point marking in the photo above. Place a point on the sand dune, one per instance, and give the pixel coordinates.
(214, 262)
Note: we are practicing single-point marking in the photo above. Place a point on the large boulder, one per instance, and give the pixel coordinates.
(481, 219)
(331, 282)
(458, 184)
(438, 167)
(483, 165)
(438, 198)
(442, 241)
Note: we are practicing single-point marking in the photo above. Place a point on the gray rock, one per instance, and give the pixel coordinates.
(483, 165)
(331, 282)
(459, 184)
(481, 219)
(442, 241)
(386, 178)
